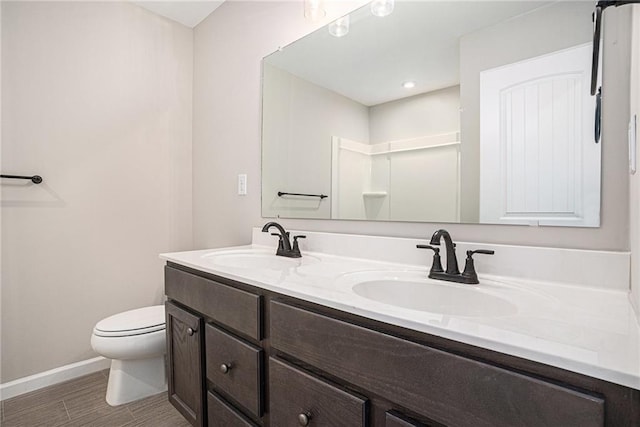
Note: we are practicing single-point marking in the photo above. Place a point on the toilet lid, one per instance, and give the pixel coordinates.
(133, 322)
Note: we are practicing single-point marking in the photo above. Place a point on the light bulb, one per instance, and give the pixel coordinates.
(382, 7)
(409, 84)
(314, 9)
(339, 27)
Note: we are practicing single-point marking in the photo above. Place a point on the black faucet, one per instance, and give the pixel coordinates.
(450, 247)
(468, 276)
(284, 244)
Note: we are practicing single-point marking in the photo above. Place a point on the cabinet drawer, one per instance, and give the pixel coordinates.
(241, 376)
(237, 309)
(221, 414)
(294, 394)
(450, 389)
(394, 419)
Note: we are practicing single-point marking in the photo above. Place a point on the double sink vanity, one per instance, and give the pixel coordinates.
(346, 335)
(496, 126)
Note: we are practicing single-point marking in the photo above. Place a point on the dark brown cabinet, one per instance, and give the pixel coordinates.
(216, 353)
(243, 356)
(184, 359)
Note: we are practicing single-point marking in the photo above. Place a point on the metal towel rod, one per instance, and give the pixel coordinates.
(321, 196)
(36, 179)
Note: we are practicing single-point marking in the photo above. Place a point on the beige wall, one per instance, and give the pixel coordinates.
(430, 113)
(229, 46)
(635, 179)
(1, 239)
(96, 97)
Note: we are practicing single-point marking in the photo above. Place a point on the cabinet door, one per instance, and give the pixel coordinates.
(184, 353)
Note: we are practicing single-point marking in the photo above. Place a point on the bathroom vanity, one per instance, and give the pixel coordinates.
(242, 353)
(353, 333)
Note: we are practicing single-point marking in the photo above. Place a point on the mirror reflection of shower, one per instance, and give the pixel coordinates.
(404, 180)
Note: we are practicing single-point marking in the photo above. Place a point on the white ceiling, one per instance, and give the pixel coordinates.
(419, 41)
(186, 12)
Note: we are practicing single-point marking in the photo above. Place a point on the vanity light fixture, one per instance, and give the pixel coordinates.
(314, 9)
(409, 84)
(382, 7)
(339, 27)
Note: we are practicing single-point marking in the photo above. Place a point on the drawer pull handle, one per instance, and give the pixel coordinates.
(225, 368)
(191, 331)
(304, 419)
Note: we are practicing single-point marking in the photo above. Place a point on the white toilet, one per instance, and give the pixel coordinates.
(135, 341)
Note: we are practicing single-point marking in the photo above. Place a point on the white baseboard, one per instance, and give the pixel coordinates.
(53, 376)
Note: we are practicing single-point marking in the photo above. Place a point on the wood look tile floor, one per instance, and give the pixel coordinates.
(81, 402)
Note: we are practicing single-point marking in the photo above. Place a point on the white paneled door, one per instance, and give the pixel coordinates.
(539, 162)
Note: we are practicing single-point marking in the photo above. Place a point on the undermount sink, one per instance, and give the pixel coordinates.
(258, 259)
(415, 291)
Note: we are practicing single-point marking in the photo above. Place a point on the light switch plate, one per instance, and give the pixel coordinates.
(633, 136)
(242, 184)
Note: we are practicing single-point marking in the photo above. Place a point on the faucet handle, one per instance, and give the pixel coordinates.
(295, 241)
(480, 251)
(280, 240)
(436, 265)
(469, 266)
(438, 244)
(296, 247)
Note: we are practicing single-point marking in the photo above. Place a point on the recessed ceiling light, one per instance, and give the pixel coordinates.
(409, 84)
(314, 10)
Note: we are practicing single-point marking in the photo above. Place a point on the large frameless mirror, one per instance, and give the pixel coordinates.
(463, 111)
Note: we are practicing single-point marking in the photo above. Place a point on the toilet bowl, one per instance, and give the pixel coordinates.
(135, 341)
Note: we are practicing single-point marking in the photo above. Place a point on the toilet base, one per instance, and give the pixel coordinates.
(135, 379)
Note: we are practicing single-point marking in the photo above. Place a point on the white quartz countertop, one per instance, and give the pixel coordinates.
(592, 331)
